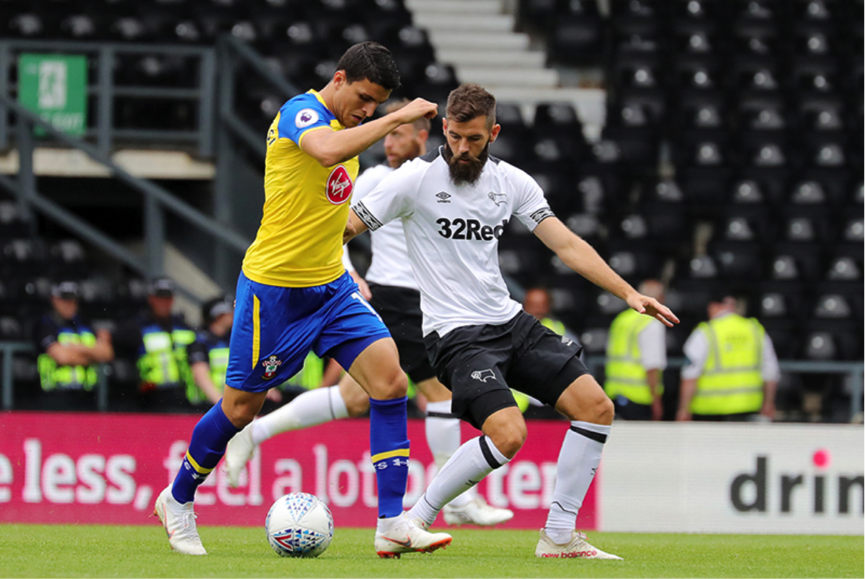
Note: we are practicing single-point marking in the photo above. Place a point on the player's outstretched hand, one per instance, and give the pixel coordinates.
(654, 308)
(416, 109)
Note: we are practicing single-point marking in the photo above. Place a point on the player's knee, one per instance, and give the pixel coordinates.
(510, 440)
(239, 415)
(605, 411)
(357, 405)
(392, 386)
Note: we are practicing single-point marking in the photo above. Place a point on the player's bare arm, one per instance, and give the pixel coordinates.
(333, 147)
(583, 259)
(354, 227)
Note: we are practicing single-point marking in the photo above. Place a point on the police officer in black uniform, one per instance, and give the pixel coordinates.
(69, 350)
(208, 355)
(157, 340)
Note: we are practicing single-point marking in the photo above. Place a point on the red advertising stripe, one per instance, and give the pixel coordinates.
(108, 468)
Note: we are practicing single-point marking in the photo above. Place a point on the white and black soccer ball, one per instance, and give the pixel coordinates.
(299, 525)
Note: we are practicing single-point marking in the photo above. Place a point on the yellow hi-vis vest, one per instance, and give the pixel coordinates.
(217, 361)
(311, 375)
(55, 377)
(164, 363)
(732, 380)
(554, 325)
(625, 374)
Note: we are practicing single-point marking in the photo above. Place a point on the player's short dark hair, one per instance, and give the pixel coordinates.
(370, 61)
(422, 124)
(469, 101)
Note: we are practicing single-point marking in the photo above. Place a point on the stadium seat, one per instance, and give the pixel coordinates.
(787, 300)
(795, 262)
(641, 9)
(704, 188)
(807, 224)
(12, 221)
(510, 117)
(10, 329)
(576, 39)
(738, 261)
(832, 340)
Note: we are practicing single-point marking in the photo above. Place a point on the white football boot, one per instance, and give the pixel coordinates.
(400, 535)
(237, 454)
(576, 548)
(179, 522)
(476, 512)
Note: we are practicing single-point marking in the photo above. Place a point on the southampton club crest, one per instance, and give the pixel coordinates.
(271, 365)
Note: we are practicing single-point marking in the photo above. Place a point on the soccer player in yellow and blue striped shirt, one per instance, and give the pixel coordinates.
(294, 295)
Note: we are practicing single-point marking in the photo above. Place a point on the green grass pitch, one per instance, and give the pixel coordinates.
(113, 551)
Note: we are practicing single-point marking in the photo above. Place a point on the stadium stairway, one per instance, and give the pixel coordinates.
(479, 40)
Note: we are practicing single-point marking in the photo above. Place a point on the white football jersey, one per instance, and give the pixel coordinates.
(390, 262)
(452, 235)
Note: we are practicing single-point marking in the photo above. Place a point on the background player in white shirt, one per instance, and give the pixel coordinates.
(392, 290)
(454, 204)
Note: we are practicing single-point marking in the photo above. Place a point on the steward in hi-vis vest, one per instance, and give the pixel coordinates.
(732, 370)
(69, 351)
(158, 341)
(208, 355)
(636, 358)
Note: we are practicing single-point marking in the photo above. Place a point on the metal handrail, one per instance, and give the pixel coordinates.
(156, 199)
(231, 50)
(105, 89)
(7, 387)
(853, 369)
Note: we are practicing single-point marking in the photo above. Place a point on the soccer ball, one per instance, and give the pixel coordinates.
(299, 525)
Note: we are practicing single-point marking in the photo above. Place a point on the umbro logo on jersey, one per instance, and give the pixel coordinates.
(483, 375)
(497, 198)
(443, 197)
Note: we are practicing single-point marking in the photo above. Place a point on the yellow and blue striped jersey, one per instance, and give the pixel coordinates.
(299, 242)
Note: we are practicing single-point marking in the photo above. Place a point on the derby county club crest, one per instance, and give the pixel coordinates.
(271, 365)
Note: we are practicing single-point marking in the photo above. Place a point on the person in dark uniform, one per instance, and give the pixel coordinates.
(157, 341)
(208, 354)
(69, 350)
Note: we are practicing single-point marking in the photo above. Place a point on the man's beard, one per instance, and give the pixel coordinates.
(466, 173)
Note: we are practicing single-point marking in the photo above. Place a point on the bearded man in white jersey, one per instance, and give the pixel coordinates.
(392, 291)
(454, 204)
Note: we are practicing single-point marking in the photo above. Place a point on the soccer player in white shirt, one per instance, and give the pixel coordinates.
(454, 204)
(392, 290)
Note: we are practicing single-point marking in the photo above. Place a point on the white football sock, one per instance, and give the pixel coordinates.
(578, 462)
(309, 409)
(470, 463)
(443, 437)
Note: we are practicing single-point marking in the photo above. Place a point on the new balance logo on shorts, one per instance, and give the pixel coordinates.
(483, 375)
